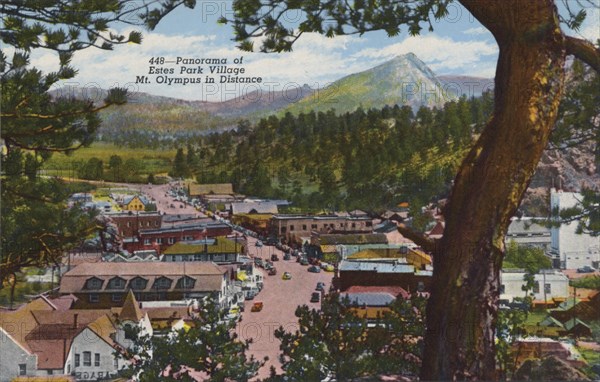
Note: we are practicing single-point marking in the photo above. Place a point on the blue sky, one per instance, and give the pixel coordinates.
(458, 45)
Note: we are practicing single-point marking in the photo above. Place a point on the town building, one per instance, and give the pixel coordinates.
(550, 286)
(219, 250)
(389, 273)
(135, 203)
(570, 250)
(130, 223)
(162, 238)
(46, 339)
(298, 228)
(528, 232)
(105, 285)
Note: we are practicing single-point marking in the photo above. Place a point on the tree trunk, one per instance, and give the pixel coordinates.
(462, 310)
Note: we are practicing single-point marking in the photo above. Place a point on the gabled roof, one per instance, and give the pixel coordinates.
(570, 324)
(131, 198)
(551, 322)
(131, 311)
(208, 275)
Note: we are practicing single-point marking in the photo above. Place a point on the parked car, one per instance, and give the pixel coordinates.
(259, 243)
(328, 268)
(272, 271)
(314, 269)
(286, 256)
(274, 257)
(258, 262)
(586, 269)
(304, 261)
(315, 297)
(320, 286)
(250, 295)
(286, 276)
(257, 306)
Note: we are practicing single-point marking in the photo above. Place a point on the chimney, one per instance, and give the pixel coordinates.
(75, 316)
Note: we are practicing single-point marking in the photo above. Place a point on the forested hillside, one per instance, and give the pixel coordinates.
(366, 159)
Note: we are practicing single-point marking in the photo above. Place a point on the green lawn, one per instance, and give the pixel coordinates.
(152, 161)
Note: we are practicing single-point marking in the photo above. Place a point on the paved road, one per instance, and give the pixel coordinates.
(166, 203)
(280, 298)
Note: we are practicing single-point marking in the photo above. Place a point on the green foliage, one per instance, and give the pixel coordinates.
(93, 169)
(180, 167)
(335, 341)
(36, 227)
(330, 18)
(586, 213)
(528, 258)
(578, 109)
(210, 346)
(591, 282)
(369, 159)
(510, 325)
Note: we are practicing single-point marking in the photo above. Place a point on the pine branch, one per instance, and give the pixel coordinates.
(583, 50)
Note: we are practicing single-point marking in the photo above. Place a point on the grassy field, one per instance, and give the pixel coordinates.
(152, 161)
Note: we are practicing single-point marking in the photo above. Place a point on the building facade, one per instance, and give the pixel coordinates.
(570, 250)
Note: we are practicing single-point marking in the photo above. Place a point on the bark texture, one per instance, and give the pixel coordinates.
(461, 313)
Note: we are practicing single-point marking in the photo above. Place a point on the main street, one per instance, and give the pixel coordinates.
(280, 298)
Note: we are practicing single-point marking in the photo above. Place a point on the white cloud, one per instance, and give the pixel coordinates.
(476, 31)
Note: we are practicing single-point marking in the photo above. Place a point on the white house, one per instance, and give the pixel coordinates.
(570, 249)
(548, 284)
(16, 359)
(93, 352)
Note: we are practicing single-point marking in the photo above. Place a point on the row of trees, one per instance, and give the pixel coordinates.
(335, 342)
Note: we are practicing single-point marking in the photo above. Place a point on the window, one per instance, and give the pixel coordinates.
(313, 226)
(22, 369)
(138, 283)
(97, 359)
(116, 283)
(156, 224)
(93, 283)
(94, 298)
(147, 224)
(146, 241)
(291, 228)
(536, 287)
(159, 240)
(171, 240)
(186, 283)
(283, 229)
(87, 358)
(162, 283)
(128, 224)
(502, 289)
(303, 227)
(76, 360)
(547, 288)
(116, 363)
(353, 225)
(369, 224)
(117, 297)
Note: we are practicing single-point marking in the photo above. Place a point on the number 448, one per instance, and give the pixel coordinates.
(157, 60)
